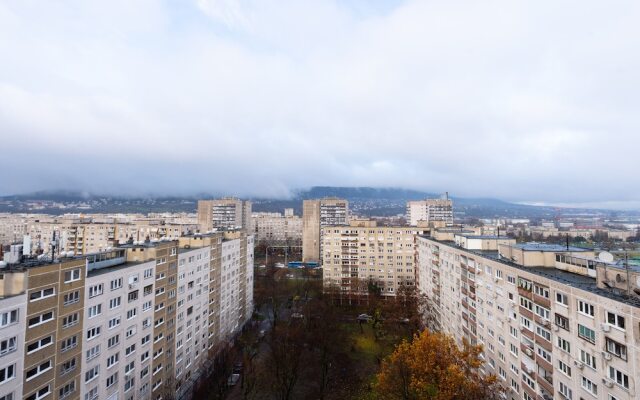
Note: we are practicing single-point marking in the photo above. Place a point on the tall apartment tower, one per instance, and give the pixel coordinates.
(224, 214)
(437, 212)
(317, 214)
(140, 321)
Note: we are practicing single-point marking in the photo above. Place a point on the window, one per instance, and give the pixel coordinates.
(617, 349)
(38, 370)
(564, 345)
(132, 296)
(40, 394)
(7, 373)
(91, 394)
(564, 368)
(131, 313)
(112, 380)
(71, 297)
(146, 339)
(38, 344)
(67, 389)
(540, 331)
(93, 352)
(68, 366)
(91, 374)
(148, 273)
(146, 305)
(588, 359)
(116, 284)
(615, 320)
(9, 345)
(128, 385)
(68, 343)
(562, 321)
(8, 318)
(41, 319)
(566, 391)
(115, 303)
(112, 359)
(72, 275)
(530, 382)
(541, 291)
(96, 290)
(70, 320)
(93, 332)
(589, 386)
(42, 294)
(130, 331)
(113, 322)
(586, 333)
(543, 312)
(619, 377)
(114, 340)
(95, 310)
(129, 350)
(586, 308)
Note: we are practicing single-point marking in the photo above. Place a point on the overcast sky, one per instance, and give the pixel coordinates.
(534, 102)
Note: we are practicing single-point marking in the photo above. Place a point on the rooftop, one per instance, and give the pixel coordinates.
(578, 281)
(548, 247)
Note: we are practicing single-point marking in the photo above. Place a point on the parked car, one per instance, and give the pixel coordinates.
(364, 318)
(233, 379)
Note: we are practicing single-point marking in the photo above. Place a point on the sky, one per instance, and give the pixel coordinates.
(524, 101)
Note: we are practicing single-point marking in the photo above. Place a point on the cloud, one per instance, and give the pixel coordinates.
(522, 101)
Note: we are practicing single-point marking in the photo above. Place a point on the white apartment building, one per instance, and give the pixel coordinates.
(549, 328)
(13, 315)
(363, 253)
(192, 311)
(438, 212)
(274, 227)
(118, 333)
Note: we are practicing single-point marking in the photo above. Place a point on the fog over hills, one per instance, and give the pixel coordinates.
(366, 201)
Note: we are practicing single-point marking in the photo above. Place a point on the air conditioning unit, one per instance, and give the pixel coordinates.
(495, 279)
(605, 327)
(607, 382)
(546, 323)
(606, 356)
(529, 352)
(578, 364)
(556, 328)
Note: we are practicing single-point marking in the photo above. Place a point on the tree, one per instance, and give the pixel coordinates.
(433, 367)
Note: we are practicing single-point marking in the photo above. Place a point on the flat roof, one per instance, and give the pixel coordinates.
(486, 237)
(548, 247)
(585, 283)
(106, 270)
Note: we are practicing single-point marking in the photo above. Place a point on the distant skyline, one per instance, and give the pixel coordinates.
(533, 102)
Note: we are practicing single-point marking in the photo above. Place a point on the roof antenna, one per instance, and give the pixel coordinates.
(567, 242)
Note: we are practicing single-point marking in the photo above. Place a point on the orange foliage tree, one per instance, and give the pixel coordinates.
(433, 367)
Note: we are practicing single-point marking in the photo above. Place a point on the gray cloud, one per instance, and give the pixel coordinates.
(527, 102)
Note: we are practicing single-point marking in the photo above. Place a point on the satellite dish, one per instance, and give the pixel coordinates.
(605, 257)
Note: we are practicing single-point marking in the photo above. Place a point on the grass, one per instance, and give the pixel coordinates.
(365, 353)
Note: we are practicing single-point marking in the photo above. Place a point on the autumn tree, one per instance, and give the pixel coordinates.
(433, 367)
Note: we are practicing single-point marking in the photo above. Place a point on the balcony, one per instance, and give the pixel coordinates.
(546, 382)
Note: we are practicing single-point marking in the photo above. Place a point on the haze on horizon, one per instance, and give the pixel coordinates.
(531, 102)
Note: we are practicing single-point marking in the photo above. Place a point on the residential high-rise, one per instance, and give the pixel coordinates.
(139, 321)
(435, 212)
(554, 321)
(361, 254)
(276, 228)
(224, 214)
(317, 214)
